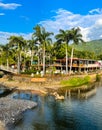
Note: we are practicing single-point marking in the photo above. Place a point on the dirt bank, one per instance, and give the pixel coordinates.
(24, 83)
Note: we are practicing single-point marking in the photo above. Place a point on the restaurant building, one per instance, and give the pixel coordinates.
(77, 65)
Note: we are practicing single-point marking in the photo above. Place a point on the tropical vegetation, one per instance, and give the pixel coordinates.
(31, 56)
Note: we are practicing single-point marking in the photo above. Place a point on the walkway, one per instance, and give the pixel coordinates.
(8, 69)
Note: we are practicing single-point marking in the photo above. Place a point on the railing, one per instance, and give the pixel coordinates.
(89, 65)
(8, 69)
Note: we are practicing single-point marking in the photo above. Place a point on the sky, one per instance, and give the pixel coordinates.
(18, 17)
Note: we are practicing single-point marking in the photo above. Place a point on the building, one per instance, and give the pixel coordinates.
(78, 65)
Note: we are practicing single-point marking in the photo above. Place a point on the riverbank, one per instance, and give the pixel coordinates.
(22, 82)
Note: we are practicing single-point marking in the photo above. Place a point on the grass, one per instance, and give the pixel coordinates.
(75, 82)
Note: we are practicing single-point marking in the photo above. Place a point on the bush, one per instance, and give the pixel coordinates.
(98, 77)
(29, 72)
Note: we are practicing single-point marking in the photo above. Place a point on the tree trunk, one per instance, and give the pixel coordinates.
(18, 63)
(66, 59)
(25, 60)
(44, 60)
(19, 58)
(31, 58)
(38, 62)
(71, 60)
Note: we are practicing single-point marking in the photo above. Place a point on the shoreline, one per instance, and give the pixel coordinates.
(24, 83)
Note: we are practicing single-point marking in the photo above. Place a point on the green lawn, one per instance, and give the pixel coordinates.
(75, 82)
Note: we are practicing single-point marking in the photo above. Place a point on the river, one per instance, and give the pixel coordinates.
(73, 113)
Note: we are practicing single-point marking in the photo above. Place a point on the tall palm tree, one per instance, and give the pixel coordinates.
(24, 50)
(43, 37)
(76, 37)
(31, 46)
(17, 42)
(64, 36)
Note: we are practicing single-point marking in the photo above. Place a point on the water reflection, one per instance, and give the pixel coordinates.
(69, 114)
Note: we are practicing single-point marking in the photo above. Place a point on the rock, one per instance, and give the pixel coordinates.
(57, 96)
(11, 109)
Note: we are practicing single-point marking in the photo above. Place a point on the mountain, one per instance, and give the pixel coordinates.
(91, 46)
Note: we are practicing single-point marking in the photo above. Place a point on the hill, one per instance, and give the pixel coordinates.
(92, 46)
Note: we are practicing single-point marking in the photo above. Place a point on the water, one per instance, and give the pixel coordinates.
(69, 114)
(4, 91)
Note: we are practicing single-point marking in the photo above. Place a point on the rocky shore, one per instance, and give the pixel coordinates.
(11, 109)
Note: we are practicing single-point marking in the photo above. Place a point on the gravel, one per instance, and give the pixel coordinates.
(11, 109)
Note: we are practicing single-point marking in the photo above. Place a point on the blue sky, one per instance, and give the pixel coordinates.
(18, 17)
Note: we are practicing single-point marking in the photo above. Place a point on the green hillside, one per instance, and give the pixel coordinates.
(92, 46)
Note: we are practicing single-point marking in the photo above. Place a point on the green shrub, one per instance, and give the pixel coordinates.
(29, 72)
(98, 77)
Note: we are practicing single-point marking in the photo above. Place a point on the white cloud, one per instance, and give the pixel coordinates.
(90, 24)
(99, 22)
(85, 32)
(5, 35)
(98, 10)
(100, 36)
(9, 5)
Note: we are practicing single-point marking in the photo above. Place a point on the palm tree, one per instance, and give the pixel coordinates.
(64, 36)
(76, 37)
(24, 50)
(17, 42)
(43, 37)
(31, 46)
